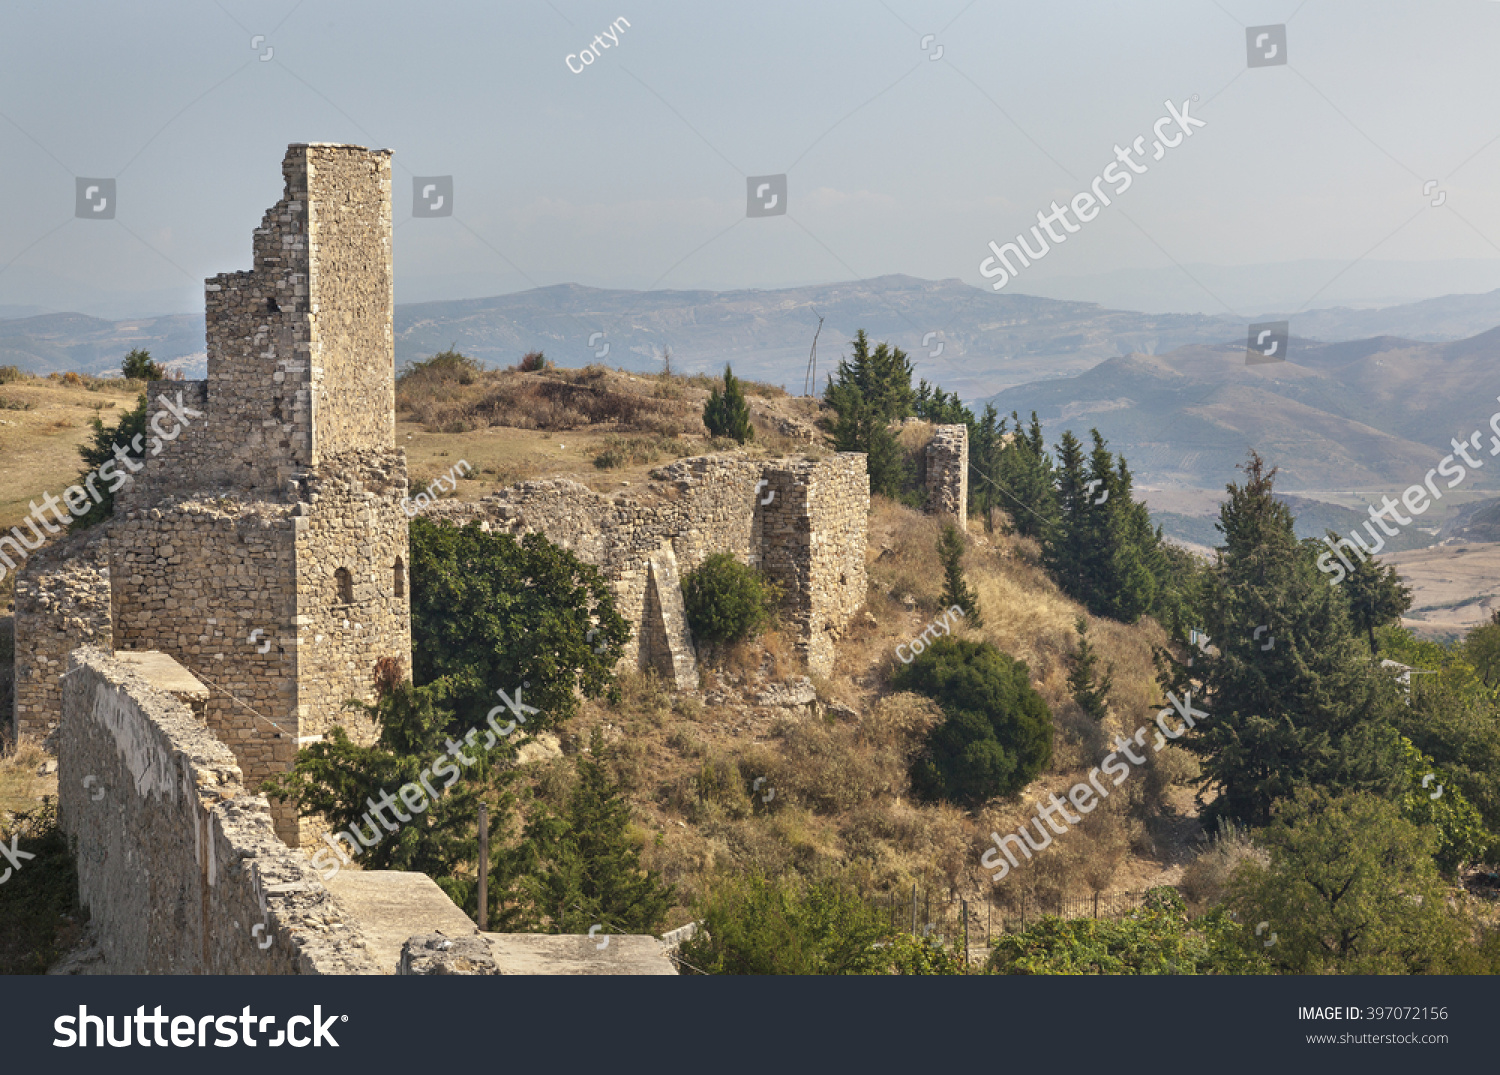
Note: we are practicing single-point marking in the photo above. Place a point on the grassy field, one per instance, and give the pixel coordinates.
(43, 421)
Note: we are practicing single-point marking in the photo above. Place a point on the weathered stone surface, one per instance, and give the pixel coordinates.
(264, 546)
(389, 904)
(436, 953)
(178, 862)
(948, 474)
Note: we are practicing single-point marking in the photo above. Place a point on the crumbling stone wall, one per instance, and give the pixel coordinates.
(300, 347)
(264, 544)
(177, 860)
(803, 520)
(948, 474)
(62, 601)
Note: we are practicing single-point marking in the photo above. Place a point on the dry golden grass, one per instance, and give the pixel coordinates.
(20, 787)
(43, 421)
(842, 801)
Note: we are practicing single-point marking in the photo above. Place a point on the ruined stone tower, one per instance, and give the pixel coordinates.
(265, 547)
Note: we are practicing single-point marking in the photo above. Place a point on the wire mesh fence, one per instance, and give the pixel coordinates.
(971, 924)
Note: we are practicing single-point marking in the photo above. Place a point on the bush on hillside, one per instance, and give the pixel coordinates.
(997, 734)
(727, 414)
(727, 601)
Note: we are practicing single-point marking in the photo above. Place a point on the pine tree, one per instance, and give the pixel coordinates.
(581, 868)
(1089, 690)
(727, 414)
(1024, 473)
(955, 588)
(1297, 704)
(1066, 549)
(1375, 595)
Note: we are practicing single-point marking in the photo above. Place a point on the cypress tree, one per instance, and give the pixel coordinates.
(955, 588)
(1089, 690)
(581, 868)
(727, 414)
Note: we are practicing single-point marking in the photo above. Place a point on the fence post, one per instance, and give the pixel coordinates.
(484, 869)
(964, 904)
(1096, 904)
(913, 908)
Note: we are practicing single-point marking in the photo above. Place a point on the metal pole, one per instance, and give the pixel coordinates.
(965, 905)
(484, 869)
(913, 908)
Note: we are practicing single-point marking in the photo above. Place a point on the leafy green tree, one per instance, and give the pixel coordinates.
(582, 868)
(1291, 695)
(351, 787)
(1376, 596)
(1482, 649)
(753, 924)
(996, 735)
(1452, 720)
(491, 613)
(956, 590)
(1089, 689)
(130, 435)
(726, 414)
(1011, 471)
(1433, 799)
(139, 366)
(726, 601)
(1351, 888)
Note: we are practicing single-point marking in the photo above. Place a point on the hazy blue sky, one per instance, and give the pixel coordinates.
(633, 172)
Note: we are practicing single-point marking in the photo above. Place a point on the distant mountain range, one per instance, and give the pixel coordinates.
(976, 342)
(1363, 415)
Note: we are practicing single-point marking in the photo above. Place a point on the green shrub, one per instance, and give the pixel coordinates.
(139, 366)
(727, 601)
(997, 734)
(532, 361)
(447, 365)
(1157, 939)
(11, 374)
(757, 925)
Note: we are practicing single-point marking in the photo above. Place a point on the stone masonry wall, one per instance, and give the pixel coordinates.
(804, 521)
(177, 860)
(353, 521)
(198, 579)
(948, 474)
(352, 291)
(62, 602)
(813, 540)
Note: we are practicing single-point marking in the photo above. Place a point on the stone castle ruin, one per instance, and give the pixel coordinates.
(260, 557)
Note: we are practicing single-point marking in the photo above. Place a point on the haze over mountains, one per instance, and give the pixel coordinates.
(989, 341)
